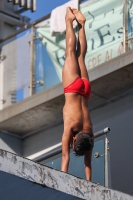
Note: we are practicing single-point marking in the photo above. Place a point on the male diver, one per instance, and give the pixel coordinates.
(78, 131)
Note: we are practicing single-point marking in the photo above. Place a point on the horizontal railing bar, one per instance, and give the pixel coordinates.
(130, 38)
(59, 149)
(24, 28)
(49, 154)
(10, 14)
(102, 132)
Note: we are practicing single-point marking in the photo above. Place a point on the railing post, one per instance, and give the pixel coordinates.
(125, 25)
(32, 61)
(106, 162)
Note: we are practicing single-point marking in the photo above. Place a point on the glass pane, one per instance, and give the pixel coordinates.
(130, 24)
(76, 166)
(44, 68)
(98, 171)
(104, 34)
(104, 31)
(15, 69)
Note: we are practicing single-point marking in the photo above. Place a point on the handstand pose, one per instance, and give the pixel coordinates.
(77, 123)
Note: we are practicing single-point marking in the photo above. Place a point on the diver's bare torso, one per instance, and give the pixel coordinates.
(76, 114)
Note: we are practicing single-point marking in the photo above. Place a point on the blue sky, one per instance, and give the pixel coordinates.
(43, 8)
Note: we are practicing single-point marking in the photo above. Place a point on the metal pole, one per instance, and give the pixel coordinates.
(32, 62)
(106, 162)
(59, 149)
(102, 132)
(125, 25)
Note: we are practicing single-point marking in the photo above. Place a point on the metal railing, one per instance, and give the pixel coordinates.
(58, 150)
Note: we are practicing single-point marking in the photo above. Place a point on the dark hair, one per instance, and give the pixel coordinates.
(83, 144)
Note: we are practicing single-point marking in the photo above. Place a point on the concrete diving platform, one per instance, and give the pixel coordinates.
(36, 179)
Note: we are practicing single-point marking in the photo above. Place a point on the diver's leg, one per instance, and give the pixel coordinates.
(71, 69)
(82, 44)
(81, 51)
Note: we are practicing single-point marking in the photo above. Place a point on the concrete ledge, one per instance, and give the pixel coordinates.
(40, 174)
(111, 66)
(108, 81)
(31, 102)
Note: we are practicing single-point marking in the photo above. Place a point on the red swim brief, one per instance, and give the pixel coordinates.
(80, 86)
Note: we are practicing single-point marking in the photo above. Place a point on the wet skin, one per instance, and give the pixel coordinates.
(75, 112)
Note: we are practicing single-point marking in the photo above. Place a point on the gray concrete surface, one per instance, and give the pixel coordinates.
(57, 180)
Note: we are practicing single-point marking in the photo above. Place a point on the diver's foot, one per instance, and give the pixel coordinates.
(69, 15)
(79, 16)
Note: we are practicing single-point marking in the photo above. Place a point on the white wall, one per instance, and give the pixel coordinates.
(10, 143)
(5, 29)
